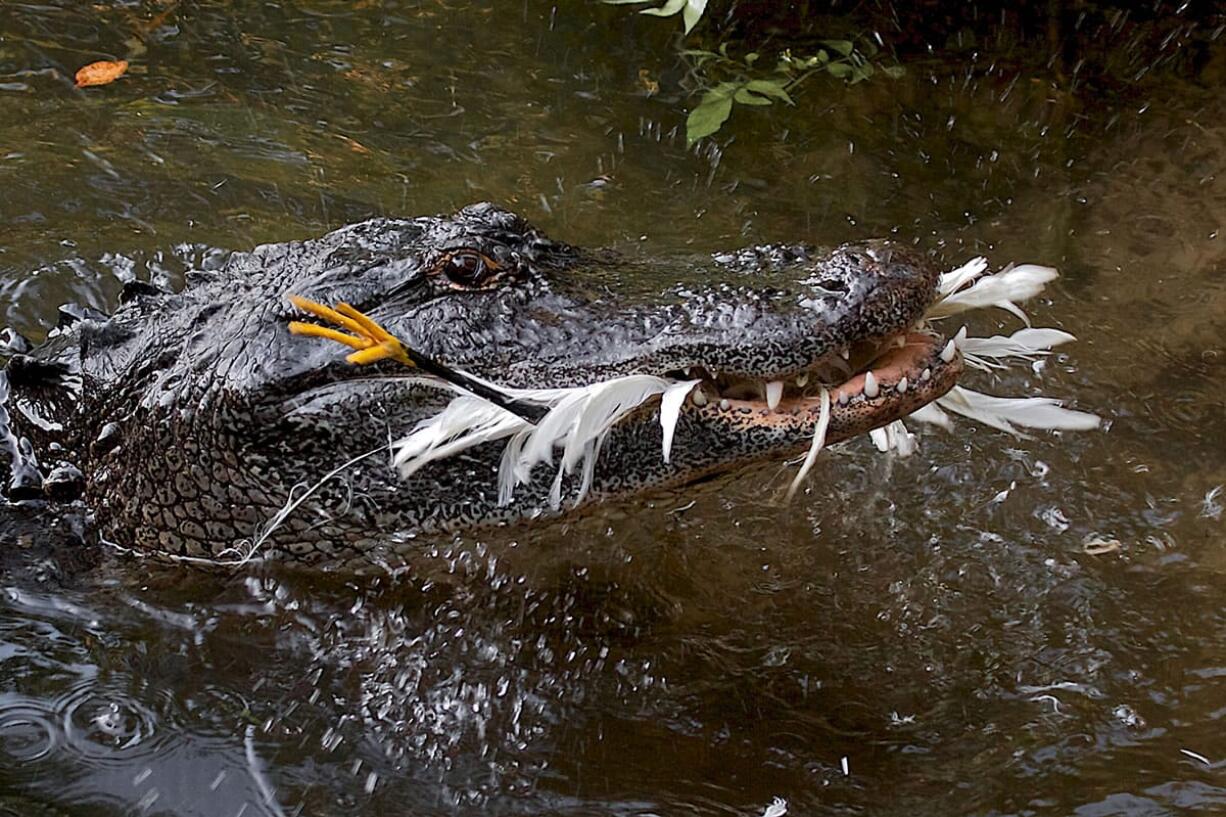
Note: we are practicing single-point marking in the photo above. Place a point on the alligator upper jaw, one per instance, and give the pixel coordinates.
(881, 382)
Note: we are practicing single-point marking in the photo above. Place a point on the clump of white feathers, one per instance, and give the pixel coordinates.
(1003, 290)
(579, 418)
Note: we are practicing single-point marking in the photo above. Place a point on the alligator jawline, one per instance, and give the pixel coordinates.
(896, 377)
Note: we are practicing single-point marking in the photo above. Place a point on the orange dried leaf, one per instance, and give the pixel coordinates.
(354, 144)
(101, 73)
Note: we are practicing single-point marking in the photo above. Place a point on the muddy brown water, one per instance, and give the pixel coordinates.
(936, 635)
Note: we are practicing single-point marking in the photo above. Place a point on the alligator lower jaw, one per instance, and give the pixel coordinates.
(916, 369)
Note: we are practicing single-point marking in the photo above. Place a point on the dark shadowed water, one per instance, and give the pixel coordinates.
(930, 636)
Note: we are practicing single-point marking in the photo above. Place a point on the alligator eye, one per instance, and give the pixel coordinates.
(468, 269)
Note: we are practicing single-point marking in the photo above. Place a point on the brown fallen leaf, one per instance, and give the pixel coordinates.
(101, 73)
(354, 144)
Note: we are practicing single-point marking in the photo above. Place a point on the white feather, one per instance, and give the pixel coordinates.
(933, 415)
(1004, 412)
(902, 439)
(951, 282)
(1024, 344)
(894, 436)
(606, 403)
(777, 808)
(507, 476)
(589, 469)
(467, 420)
(819, 442)
(577, 422)
(1001, 290)
(670, 411)
(552, 430)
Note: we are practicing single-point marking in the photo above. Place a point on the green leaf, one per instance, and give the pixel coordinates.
(669, 8)
(710, 114)
(748, 97)
(699, 56)
(843, 47)
(751, 57)
(839, 69)
(693, 13)
(893, 71)
(769, 87)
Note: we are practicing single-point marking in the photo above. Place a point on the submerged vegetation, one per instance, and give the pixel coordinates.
(722, 79)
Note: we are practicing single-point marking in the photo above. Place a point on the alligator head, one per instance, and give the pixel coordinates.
(194, 418)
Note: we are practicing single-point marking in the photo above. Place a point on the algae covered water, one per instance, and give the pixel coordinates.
(993, 626)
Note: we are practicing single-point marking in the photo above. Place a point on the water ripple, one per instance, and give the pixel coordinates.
(104, 725)
(92, 723)
(27, 732)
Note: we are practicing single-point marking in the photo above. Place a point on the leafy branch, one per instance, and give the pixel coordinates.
(725, 81)
(839, 58)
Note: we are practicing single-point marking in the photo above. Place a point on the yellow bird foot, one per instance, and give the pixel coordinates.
(372, 341)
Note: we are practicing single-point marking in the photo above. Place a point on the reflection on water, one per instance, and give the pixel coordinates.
(994, 626)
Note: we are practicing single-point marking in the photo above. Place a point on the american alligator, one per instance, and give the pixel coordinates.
(186, 421)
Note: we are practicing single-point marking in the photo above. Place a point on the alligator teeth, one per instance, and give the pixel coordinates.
(844, 398)
(960, 338)
(870, 386)
(947, 354)
(687, 370)
(902, 386)
(802, 379)
(926, 374)
(845, 353)
(700, 397)
(774, 391)
(724, 405)
(900, 341)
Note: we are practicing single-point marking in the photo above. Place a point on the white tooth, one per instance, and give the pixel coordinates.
(902, 386)
(844, 398)
(802, 379)
(947, 354)
(700, 397)
(927, 373)
(724, 405)
(900, 342)
(845, 353)
(687, 370)
(774, 391)
(870, 386)
(960, 338)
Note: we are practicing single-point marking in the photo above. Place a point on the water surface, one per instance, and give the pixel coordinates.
(936, 635)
